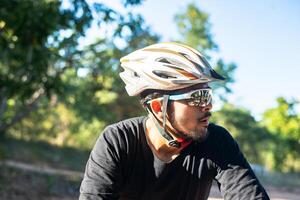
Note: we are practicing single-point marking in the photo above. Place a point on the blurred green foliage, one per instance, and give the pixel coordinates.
(283, 124)
(41, 61)
(34, 53)
(54, 90)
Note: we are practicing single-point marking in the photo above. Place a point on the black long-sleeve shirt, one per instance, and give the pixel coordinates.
(122, 166)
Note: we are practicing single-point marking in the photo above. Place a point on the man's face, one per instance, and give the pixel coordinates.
(191, 122)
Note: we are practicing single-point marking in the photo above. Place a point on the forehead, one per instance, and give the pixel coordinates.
(193, 87)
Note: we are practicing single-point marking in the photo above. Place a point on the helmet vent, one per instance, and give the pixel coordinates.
(187, 56)
(163, 74)
(163, 60)
(171, 62)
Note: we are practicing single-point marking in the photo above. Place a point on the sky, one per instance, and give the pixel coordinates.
(261, 36)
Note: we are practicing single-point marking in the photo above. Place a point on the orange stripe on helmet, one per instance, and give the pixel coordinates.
(186, 74)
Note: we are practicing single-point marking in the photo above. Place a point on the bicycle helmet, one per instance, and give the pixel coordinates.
(165, 66)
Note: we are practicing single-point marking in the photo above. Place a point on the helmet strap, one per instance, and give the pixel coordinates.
(164, 109)
(162, 129)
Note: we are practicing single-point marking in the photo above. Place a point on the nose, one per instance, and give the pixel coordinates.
(206, 108)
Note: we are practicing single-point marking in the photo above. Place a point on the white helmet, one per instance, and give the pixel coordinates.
(165, 66)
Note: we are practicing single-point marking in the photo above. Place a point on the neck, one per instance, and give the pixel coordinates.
(159, 145)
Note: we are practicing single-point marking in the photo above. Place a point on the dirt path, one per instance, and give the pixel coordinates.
(43, 169)
(274, 193)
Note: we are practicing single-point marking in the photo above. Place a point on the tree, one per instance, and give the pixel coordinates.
(39, 43)
(102, 87)
(194, 27)
(283, 123)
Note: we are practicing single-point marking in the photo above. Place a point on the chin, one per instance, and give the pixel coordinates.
(199, 134)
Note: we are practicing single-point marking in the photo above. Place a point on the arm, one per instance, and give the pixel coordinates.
(234, 174)
(103, 177)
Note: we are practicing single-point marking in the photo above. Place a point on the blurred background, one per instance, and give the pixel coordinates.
(59, 83)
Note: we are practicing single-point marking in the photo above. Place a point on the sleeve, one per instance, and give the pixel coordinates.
(234, 174)
(103, 177)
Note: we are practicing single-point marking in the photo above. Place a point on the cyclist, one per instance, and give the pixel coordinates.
(174, 152)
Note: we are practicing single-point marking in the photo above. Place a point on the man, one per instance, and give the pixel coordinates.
(174, 152)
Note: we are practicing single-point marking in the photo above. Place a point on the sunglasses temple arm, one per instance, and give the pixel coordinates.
(164, 110)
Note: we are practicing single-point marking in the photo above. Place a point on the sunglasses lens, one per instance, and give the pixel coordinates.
(200, 98)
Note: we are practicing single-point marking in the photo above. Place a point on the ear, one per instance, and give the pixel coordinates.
(156, 106)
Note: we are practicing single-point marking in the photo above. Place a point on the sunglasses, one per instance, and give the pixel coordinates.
(199, 97)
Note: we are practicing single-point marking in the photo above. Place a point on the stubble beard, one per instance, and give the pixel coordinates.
(195, 135)
(199, 135)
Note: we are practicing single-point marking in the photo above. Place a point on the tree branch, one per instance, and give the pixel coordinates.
(31, 105)
(3, 103)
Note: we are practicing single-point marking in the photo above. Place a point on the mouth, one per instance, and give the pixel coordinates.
(205, 120)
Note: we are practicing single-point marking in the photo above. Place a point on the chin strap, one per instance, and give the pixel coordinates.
(162, 130)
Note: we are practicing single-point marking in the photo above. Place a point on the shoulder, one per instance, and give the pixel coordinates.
(123, 133)
(221, 139)
(217, 132)
(132, 125)
(225, 147)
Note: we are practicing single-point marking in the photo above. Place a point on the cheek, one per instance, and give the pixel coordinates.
(183, 115)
